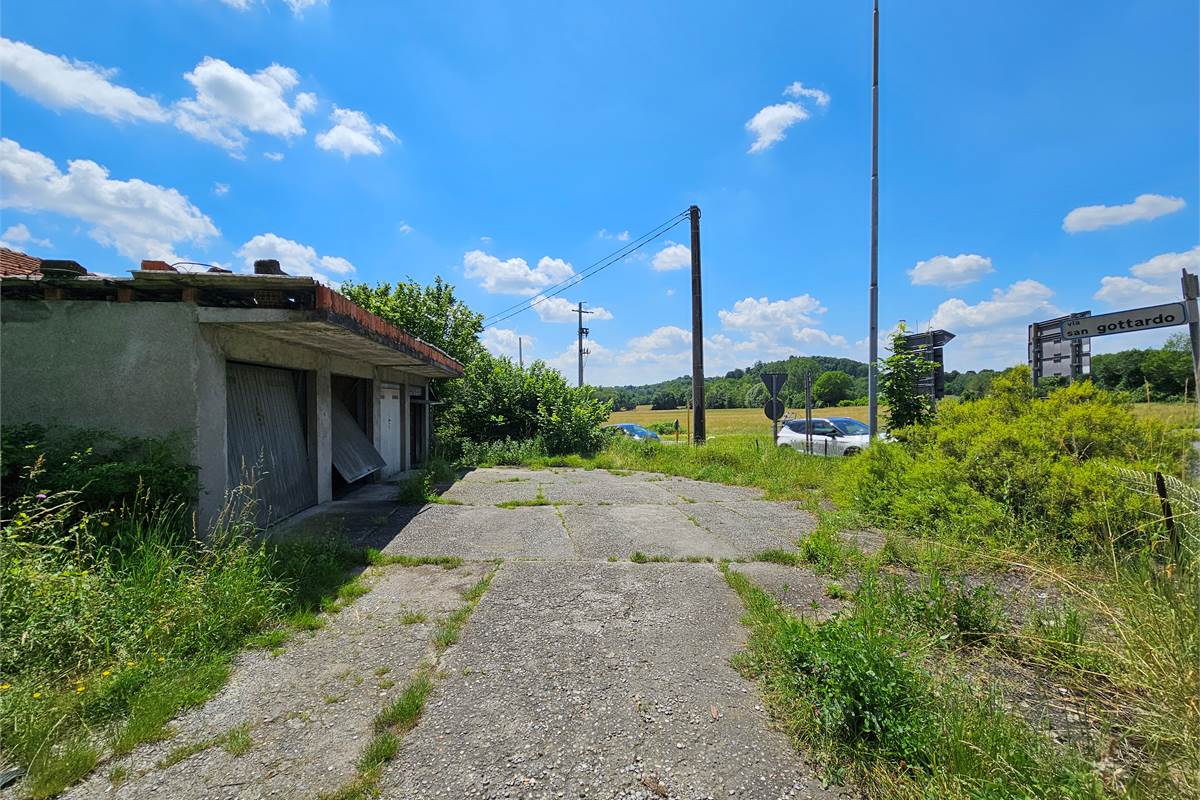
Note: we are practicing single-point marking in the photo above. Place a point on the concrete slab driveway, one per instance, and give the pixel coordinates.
(579, 673)
(580, 677)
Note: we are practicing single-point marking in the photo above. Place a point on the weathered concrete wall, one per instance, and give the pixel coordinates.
(126, 367)
(151, 369)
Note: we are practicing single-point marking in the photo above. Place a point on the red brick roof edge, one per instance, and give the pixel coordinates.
(14, 262)
(341, 306)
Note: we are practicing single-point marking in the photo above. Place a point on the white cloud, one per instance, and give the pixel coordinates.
(670, 292)
(485, 239)
(504, 342)
(559, 309)
(273, 156)
(229, 102)
(623, 236)
(673, 256)
(799, 90)
(1144, 207)
(139, 219)
(514, 275)
(1154, 281)
(353, 134)
(18, 236)
(220, 189)
(762, 314)
(58, 83)
(771, 122)
(294, 258)
(298, 7)
(405, 228)
(1019, 304)
(950, 271)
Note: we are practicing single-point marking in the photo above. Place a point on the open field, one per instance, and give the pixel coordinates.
(726, 421)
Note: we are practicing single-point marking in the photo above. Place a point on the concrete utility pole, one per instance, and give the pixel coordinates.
(872, 369)
(582, 333)
(697, 332)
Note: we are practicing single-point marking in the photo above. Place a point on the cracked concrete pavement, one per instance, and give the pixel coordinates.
(579, 674)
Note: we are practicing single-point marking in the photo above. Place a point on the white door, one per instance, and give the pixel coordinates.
(390, 428)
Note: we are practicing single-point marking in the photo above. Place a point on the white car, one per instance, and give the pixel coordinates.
(831, 436)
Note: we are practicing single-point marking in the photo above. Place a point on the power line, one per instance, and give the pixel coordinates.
(597, 266)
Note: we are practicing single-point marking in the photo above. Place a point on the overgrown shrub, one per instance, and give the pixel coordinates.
(102, 469)
(113, 621)
(1016, 469)
(498, 401)
(507, 452)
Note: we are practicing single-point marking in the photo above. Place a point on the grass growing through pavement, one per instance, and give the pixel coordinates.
(402, 714)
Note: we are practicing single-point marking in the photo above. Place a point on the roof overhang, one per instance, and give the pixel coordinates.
(290, 309)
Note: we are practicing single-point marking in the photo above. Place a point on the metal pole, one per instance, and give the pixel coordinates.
(697, 332)
(808, 440)
(520, 353)
(1191, 289)
(872, 377)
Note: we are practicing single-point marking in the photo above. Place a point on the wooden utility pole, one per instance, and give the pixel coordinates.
(520, 353)
(697, 332)
(582, 333)
(872, 367)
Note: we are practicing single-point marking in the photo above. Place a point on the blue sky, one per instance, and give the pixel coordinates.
(1035, 158)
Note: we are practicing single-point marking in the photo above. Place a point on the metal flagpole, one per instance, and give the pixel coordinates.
(872, 377)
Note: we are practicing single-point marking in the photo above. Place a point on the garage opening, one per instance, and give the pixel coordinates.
(355, 459)
(267, 438)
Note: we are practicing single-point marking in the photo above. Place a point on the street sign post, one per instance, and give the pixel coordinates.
(1053, 355)
(1136, 319)
(774, 408)
(929, 346)
(808, 440)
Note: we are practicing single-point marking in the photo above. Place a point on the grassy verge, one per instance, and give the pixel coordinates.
(111, 624)
(855, 691)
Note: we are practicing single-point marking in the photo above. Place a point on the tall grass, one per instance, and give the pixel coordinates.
(111, 623)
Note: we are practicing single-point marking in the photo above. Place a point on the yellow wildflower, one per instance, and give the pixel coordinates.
(37, 695)
(79, 688)
(106, 673)
(4, 687)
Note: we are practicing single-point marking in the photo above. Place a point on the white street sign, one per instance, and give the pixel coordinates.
(1137, 319)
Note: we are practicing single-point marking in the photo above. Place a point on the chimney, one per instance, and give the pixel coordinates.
(267, 266)
(157, 266)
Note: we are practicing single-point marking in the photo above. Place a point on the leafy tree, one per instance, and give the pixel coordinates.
(431, 312)
(833, 387)
(898, 376)
(665, 400)
(497, 401)
(1169, 369)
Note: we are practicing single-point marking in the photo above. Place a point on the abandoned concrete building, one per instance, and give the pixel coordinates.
(270, 377)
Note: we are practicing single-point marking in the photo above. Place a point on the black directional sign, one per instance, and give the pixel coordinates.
(773, 409)
(774, 382)
(929, 345)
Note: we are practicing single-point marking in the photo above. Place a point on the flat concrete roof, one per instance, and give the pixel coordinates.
(292, 309)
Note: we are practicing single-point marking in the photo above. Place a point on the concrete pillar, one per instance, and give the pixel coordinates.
(323, 430)
(405, 429)
(211, 453)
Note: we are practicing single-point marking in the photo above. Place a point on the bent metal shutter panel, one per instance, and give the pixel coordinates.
(354, 456)
(266, 410)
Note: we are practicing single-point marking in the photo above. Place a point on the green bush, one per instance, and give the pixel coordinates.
(507, 452)
(104, 470)
(1015, 469)
(498, 401)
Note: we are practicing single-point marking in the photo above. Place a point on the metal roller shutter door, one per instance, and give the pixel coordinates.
(267, 440)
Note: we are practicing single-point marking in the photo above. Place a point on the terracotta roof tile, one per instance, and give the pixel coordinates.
(15, 263)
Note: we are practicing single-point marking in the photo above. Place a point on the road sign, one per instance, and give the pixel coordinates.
(1137, 319)
(1052, 355)
(774, 382)
(773, 409)
(928, 346)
